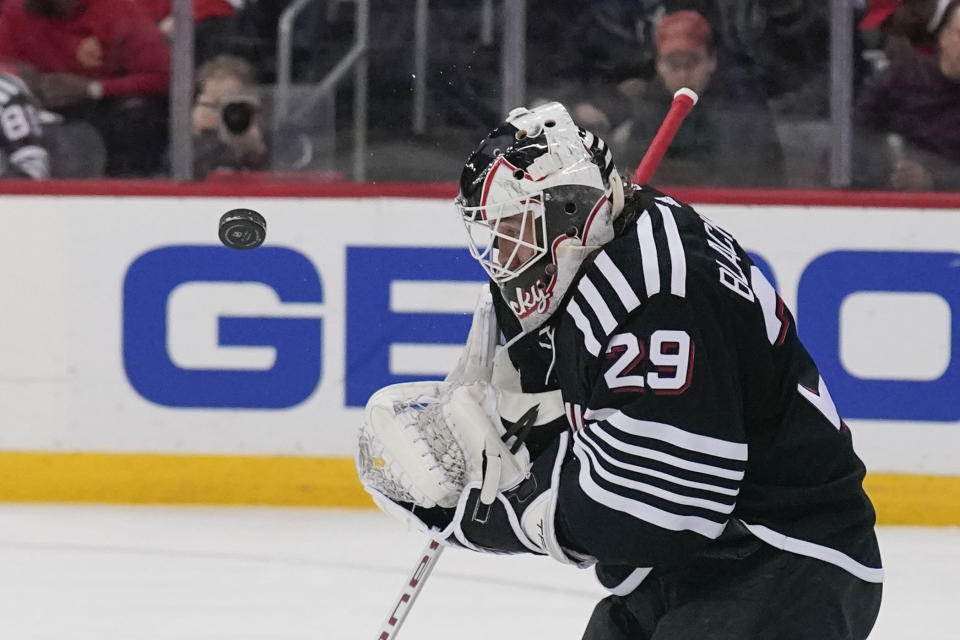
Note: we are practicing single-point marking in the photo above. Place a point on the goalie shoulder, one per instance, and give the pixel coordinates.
(663, 247)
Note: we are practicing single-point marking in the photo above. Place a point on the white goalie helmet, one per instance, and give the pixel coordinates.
(538, 196)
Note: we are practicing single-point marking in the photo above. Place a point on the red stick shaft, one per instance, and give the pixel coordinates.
(683, 101)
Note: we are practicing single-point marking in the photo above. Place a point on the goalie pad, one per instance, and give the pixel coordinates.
(423, 442)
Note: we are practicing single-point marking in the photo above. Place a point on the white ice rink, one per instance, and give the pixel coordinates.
(151, 573)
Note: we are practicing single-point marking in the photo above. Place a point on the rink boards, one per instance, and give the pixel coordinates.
(140, 361)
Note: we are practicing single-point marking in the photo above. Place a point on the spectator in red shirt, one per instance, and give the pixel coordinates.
(213, 21)
(161, 10)
(103, 61)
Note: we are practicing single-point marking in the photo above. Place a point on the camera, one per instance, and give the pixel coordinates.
(237, 115)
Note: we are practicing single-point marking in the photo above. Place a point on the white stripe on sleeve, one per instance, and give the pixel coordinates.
(643, 511)
(675, 436)
(678, 259)
(666, 458)
(648, 254)
(610, 460)
(600, 308)
(587, 455)
(617, 280)
(589, 340)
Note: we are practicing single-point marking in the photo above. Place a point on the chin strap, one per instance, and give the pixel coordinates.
(616, 193)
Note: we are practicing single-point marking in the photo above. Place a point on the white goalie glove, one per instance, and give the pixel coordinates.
(423, 442)
(442, 447)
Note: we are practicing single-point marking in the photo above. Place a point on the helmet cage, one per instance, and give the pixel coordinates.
(518, 225)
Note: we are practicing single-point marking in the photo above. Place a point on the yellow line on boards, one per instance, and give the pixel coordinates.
(325, 482)
(180, 479)
(914, 499)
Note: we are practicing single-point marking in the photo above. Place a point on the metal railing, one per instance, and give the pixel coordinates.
(181, 92)
(513, 62)
(510, 16)
(421, 25)
(841, 92)
(355, 59)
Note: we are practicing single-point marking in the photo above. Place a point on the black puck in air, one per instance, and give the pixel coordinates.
(242, 229)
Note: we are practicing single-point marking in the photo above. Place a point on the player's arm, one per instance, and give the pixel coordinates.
(655, 469)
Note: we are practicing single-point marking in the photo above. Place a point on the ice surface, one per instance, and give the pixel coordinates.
(155, 573)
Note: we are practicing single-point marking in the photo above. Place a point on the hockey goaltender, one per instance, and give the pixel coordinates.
(652, 413)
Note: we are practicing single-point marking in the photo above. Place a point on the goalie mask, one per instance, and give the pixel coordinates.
(538, 196)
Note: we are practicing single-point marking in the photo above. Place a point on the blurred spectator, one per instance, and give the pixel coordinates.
(23, 145)
(212, 18)
(600, 42)
(782, 43)
(100, 61)
(228, 127)
(605, 40)
(74, 150)
(728, 140)
(600, 49)
(902, 28)
(908, 119)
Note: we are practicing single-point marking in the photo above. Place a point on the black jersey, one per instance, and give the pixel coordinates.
(22, 150)
(695, 409)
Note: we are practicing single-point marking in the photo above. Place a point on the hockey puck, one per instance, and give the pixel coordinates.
(242, 229)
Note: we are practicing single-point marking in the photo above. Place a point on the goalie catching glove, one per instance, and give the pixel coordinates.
(437, 455)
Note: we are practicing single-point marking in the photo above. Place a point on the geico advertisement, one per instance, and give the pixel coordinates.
(128, 327)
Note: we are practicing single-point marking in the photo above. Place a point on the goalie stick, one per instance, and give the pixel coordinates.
(411, 589)
(683, 101)
(431, 553)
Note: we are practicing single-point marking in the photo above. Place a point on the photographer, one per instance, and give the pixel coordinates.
(228, 130)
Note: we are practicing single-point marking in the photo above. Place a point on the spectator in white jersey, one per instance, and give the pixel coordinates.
(23, 147)
(653, 414)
